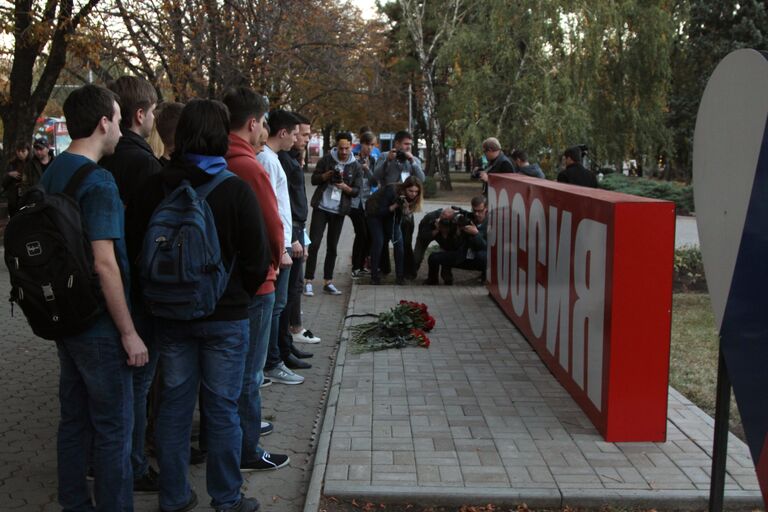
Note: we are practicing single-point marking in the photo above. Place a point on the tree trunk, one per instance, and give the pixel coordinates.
(24, 104)
(437, 161)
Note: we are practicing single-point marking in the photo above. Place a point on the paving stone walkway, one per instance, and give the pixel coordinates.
(478, 418)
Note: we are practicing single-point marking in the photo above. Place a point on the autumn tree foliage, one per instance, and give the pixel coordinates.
(41, 35)
(317, 56)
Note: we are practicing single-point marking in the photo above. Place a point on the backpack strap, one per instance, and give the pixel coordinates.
(208, 187)
(77, 179)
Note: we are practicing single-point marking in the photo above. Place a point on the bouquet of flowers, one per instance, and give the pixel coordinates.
(405, 324)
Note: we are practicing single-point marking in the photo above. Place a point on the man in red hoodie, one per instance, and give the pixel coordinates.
(247, 110)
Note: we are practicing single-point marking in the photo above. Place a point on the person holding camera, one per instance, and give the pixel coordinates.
(338, 179)
(385, 211)
(462, 240)
(362, 244)
(428, 230)
(395, 167)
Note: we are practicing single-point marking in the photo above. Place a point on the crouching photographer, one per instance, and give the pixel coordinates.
(462, 241)
(384, 212)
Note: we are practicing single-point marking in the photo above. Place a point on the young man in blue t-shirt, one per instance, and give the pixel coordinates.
(95, 389)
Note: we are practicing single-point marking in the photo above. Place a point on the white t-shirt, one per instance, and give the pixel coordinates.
(277, 178)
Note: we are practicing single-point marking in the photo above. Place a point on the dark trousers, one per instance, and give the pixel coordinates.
(321, 219)
(381, 231)
(292, 313)
(362, 244)
(407, 227)
(453, 259)
(419, 250)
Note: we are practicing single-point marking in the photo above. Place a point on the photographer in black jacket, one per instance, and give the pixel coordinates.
(462, 241)
(385, 211)
(338, 179)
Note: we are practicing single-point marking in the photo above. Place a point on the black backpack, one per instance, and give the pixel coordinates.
(50, 261)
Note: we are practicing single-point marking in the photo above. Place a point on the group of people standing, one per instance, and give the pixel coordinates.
(248, 166)
(245, 164)
(25, 169)
(379, 195)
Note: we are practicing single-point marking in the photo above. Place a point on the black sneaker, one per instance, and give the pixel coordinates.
(149, 482)
(266, 462)
(191, 504)
(244, 505)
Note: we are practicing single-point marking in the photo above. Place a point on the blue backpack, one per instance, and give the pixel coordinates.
(181, 269)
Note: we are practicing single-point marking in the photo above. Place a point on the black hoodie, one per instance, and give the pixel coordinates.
(130, 164)
(239, 223)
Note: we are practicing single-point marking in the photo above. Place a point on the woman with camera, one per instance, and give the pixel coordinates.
(385, 211)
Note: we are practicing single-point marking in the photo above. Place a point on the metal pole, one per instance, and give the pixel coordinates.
(720, 445)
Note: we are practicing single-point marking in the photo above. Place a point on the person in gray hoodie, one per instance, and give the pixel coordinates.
(524, 167)
(338, 179)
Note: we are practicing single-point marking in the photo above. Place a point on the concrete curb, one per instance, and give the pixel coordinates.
(545, 498)
(442, 496)
(315, 489)
(664, 500)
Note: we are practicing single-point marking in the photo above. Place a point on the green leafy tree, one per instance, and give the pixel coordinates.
(708, 31)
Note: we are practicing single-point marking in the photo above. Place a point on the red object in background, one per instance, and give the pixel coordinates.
(586, 275)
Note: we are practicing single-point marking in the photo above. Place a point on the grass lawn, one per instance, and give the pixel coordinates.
(693, 362)
(464, 189)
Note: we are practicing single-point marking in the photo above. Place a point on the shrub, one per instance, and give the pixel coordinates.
(681, 195)
(689, 270)
(430, 187)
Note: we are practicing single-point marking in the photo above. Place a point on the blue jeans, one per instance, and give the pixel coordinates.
(249, 406)
(142, 380)
(96, 396)
(382, 230)
(281, 298)
(213, 352)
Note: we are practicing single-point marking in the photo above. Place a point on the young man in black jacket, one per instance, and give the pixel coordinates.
(131, 164)
(212, 349)
(338, 178)
(575, 173)
(291, 328)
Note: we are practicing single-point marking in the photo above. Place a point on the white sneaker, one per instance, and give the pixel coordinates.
(283, 375)
(308, 290)
(305, 336)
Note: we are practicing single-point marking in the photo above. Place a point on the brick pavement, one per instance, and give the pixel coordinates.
(479, 418)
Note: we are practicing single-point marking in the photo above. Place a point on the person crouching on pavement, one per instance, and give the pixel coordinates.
(385, 211)
(462, 241)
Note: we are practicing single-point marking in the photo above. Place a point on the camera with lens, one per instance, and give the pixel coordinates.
(337, 177)
(401, 156)
(462, 217)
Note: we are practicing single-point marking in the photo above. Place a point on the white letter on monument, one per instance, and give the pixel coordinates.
(537, 252)
(503, 218)
(559, 285)
(518, 242)
(589, 308)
